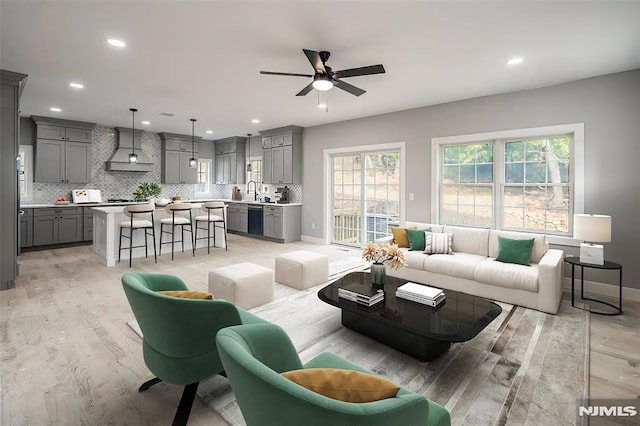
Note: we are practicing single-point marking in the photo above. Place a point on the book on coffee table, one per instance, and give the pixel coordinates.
(360, 293)
(421, 293)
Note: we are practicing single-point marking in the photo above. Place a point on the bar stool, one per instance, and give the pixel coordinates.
(215, 215)
(139, 216)
(180, 216)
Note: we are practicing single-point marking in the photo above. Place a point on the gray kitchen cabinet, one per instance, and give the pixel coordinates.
(63, 150)
(282, 155)
(87, 224)
(48, 131)
(61, 161)
(176, 152)
(57, 225)
(282, 223)
(238, 217)
(26, 228)
(11, 86)
(230, 160)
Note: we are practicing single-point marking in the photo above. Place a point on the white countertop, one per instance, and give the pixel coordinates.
(196, 201)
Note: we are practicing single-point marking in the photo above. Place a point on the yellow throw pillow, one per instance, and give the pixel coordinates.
(188, 294)
(344, 385)
(400, 235)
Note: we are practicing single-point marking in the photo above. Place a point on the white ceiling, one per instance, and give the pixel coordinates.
(202, 59)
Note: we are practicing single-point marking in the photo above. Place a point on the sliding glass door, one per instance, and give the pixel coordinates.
(365, 196)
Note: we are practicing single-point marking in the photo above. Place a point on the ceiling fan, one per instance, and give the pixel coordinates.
(325, 78)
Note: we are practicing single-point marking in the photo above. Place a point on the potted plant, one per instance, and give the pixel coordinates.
(379, 254)
(147, 190)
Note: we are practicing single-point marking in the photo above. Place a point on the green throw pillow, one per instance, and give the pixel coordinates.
(416, 238)
(514, 251)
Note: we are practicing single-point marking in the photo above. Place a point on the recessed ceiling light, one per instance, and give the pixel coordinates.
(209, 131)
(321, 105)
(77, 85)
(255, 121)
(146, 123)
(515, 61)
(55, 109)
(116, 43)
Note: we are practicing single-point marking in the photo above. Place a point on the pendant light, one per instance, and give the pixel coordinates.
(249, 169)
(133, 157)
(193, 161)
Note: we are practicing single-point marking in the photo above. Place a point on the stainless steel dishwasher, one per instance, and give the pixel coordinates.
(256, 218)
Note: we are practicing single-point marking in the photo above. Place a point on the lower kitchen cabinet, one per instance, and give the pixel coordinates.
(282, 223)
(57, 225)
(87, 224)
(238, 217)
(26, 228)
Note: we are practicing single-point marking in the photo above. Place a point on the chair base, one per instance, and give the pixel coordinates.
(186, 400)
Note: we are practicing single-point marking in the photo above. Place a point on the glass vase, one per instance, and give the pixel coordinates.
(378, 274)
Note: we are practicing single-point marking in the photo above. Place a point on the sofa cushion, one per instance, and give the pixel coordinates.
(539, 243)
(420, 225)
(460, 265)
(508, 275)
(416, 238)
(400, 235)
(437, 243)
(469, 240)
(414, 259)
(515, 250)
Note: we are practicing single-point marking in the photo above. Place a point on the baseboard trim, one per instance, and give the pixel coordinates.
(314, 240)
(595, 288)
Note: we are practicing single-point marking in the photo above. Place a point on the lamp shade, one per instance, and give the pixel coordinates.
(595, 228)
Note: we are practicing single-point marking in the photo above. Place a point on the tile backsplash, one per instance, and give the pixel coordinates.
(122, 184)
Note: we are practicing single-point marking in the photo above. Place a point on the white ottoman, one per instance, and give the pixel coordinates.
(244, 284)
(302, 269)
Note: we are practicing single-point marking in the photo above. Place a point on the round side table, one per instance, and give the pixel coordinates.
(575, 261)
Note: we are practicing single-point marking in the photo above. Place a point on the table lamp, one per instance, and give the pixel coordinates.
(592, 228)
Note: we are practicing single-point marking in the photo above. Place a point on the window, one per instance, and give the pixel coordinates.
(365, 196)
(204, 176)
(529, 179)
(25, 171)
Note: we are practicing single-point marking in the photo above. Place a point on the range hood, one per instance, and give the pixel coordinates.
(119, 161)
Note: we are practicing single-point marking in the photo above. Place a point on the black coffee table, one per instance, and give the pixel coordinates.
(410, 327)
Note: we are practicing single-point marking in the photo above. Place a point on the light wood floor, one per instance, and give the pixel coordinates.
(67, 356)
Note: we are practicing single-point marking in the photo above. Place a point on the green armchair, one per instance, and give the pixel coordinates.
(253, 357)
(179, 344)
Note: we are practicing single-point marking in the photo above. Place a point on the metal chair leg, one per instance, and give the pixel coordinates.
(146, 385)
(186, 402)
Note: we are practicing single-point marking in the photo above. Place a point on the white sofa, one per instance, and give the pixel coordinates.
(472, 268)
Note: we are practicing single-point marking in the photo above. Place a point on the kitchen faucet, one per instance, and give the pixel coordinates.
(255, 189)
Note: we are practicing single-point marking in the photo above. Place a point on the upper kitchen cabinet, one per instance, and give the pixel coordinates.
(282, 155)
(63, 150)
(230, 160)
(176, 152)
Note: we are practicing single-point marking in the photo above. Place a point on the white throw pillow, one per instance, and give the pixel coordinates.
(437, 243)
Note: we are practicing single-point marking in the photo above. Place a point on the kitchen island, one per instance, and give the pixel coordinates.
(106, 234)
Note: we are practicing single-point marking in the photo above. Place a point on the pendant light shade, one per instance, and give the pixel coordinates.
(193, 161)
(249, 169)
(133, 157)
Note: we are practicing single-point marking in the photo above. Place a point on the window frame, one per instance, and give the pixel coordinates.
(576, 130)
(28, 171)
(209, 163)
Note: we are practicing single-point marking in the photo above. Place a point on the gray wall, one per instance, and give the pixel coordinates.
(609, 106)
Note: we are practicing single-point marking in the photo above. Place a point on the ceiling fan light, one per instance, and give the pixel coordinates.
(322, 83)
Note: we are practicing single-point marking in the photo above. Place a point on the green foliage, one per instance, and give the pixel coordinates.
(147, 190)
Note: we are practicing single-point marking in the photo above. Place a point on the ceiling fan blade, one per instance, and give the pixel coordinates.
(285, 73)
(306, 89)
(354, 72)
(348, 87)
(316, 62)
